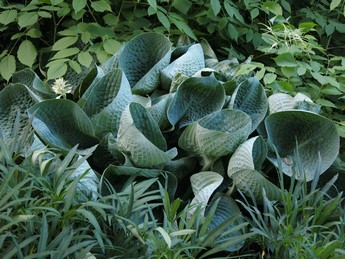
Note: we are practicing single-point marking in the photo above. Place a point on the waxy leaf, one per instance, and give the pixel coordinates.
(188, 64)
(63, 124)
(244, 167)
(139, 136)
(217, 134)
(313, 135)
(195, 98)
(142, 59)
(250, 97)
(225, 210)
(106, 100)
(15, 99)
(203, 185)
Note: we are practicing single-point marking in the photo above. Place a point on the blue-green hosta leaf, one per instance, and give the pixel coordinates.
(226, 209)
(107, 101)
(159, 110)
(63, 124)
(84, 90)
(88, 183)
(142, 59)
(314, 134)
(140, 137)
(250, 97)
(112, 62)
(107, 152)
(244, 166)
(187, 64)
(203, 185)
(29, 78)
(195, 98)
(284, 102)
(216, 134)
(15, 99)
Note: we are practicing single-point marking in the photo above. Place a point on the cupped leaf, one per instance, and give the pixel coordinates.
(15, 99)
(244, 167)
(29, 78)
(142, 59)
(187, 64)
(225, 210)
(63, 124)
(159, 110)
(217, 134)
(140, 137)
(106, 102)
(195, 98)
(313, 135)
(107, 152)
(203, 185)
(250, 97)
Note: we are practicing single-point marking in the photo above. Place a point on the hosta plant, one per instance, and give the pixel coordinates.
(177, 113)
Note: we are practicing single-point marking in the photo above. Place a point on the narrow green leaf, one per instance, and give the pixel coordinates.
(64, 53)
(215, 5)
(101, 6)
(164, 20)
(64, 43)
(165, 235)
(334, 4)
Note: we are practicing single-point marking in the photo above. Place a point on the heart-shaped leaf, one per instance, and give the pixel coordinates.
(314, 134)
(142, 59)
(195, 98)
(203, 185)
(63, 124)
(250, 97)
(15, 99)
(244, 166)
(187, 64)
(217, 134)
(140, 137)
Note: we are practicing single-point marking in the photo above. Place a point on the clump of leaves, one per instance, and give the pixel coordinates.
(307, 222)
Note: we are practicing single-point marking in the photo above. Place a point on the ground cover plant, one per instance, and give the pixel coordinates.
(161, 149)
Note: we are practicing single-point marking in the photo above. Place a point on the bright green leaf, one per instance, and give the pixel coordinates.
(111, 46)
(85, 58)
(101, 6)
(78, 5)
(7, 66)
(8, 16)
(285, 60)
(64, 53)
(273, 7)
(215, 5)
(64, 43)
(27, 19)
(27, 53)
(334, 4)
(153, 4)
(163, 19)
(75, 66)
(34, 33)
(56, 70)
